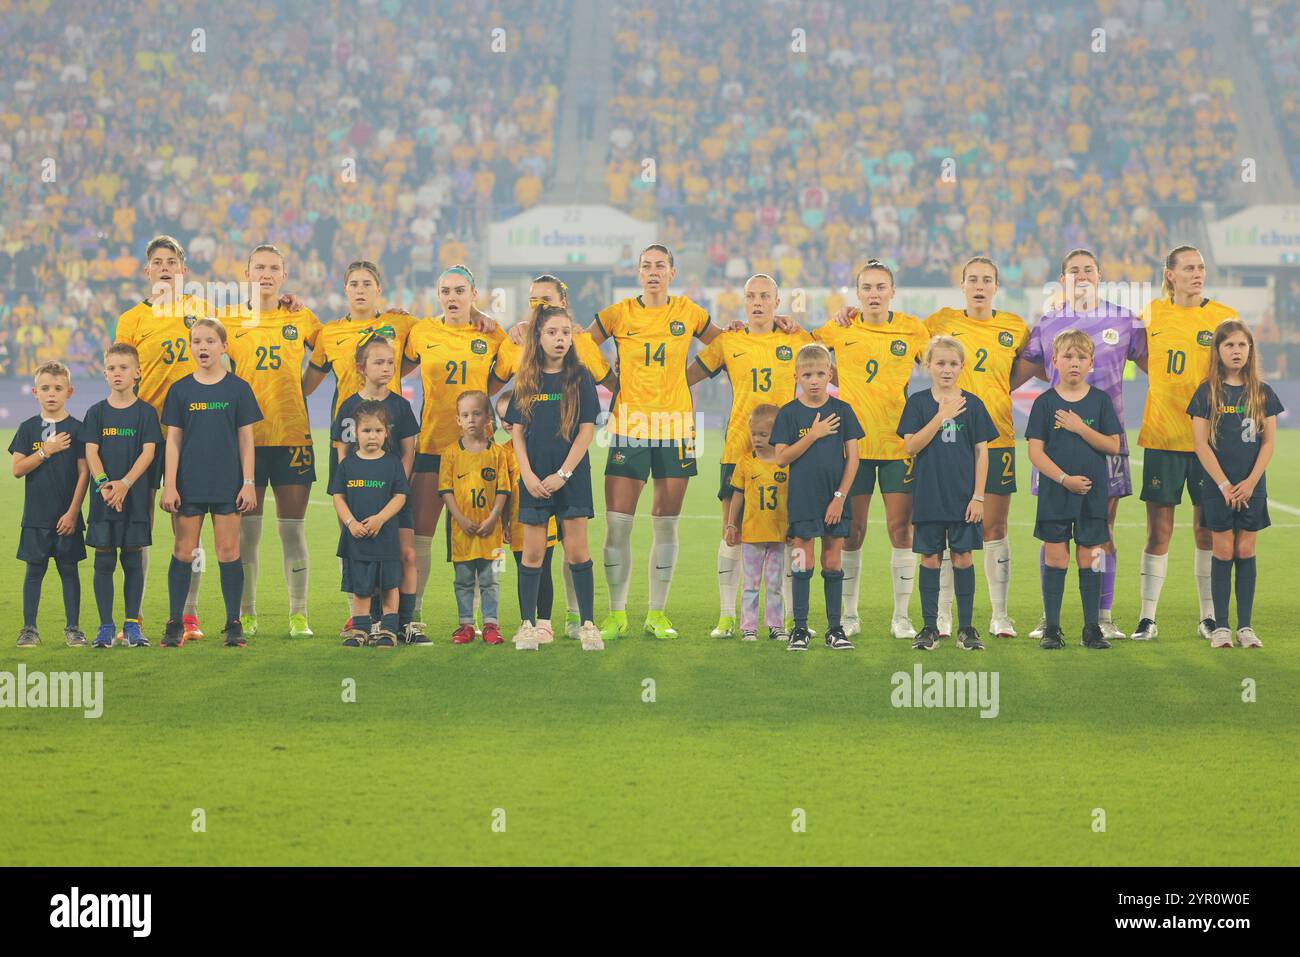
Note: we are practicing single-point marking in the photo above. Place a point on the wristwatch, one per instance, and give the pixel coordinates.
(563, 474)
(839, 494)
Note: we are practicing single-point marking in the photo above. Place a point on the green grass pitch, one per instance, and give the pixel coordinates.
(477, 755)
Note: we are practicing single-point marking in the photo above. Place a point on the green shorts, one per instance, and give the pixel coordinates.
(641, 461)
(1164, 473)
(1001, 479)
(725, 491)
(895, 476)
(284, 465)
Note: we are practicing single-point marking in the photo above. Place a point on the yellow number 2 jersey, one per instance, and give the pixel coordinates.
(162, 338)
(874, 362)
(336, 348)
(653, 402)
(475, 479)
(761, 369)
(991, 348)
(767, 489)
(267, 352)
(1178, 358)
(453, 359)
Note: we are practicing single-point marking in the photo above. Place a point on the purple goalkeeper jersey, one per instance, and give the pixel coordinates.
(1117, 335)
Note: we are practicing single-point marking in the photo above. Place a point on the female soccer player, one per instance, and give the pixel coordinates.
(454, 352)
(993, 340)
(759, 360)
(1180, 335)
(268, 350)
(1118, 337)
(875, 354)
(1234, 426)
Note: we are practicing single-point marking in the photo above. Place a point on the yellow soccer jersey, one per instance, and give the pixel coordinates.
(507, 360)
(163, 342)
(653, 401)
(453, 359)
(476, 479)
(336, 349)
(761, 369)
(991, 349)
(875, 363)
(516, 526)
(267, 352)
(766, 487)
(1178, 359)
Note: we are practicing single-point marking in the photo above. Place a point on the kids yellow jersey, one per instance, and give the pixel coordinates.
(163, 342)
(453, 359)
(475, 479)
(874, 362)
(267, 352)
(1179, 339)
(653, 401)
(767, 488)
(516, 526)
(336, 349)
(991, 348)
(761, 369)
(508, 355)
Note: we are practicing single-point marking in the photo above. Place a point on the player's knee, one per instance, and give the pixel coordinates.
(228, 553)
(962, 559)
(992, 533)
(1243, 548)
(900, 534)
(408, 556)
(856, 537)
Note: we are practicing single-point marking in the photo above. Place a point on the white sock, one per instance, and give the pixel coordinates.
(663, 559)
(851, 564)
(570, 593)
(787, 582)
(250, 542)
(1202, 567)
(293, 544)
(618, 558)
(997, 569)
(423, 562)
(728, 578)
(1152, 580)
(902, 565)
(946, 592)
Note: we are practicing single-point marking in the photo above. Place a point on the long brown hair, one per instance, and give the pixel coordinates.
(1254, 390)
(529, 377)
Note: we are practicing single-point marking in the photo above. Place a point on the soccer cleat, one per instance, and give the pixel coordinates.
(1002, 627)
(798, 639)
(526, 637)
(249, 624)
(850, 626)
(414, 634)
(1040, 628)
(1247, 638)
(234, 634)
(968, 639)
(298, 627)
(658, 625)
(1221, 638)
(1093, 637)
(749, 636)
(74, 637)
(589, 635)
(134, 634)
(29, 637)
(463, 635)
(725, 628)
(384, 639)
(901, 627)
(572, 625)
(173, 634)
(347, 628)
(1053, 638)
(492, 634)
(192, 630)
(1146, 630)
(545, 633)
(614, 626)
(778, 634)
(1110, 631)
(355, 638)
(836, 639)
(926, 640)
(1205, 628)
(105, 636)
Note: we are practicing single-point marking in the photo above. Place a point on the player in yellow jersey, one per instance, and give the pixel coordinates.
(759, 360)
(993, 339)
(875, 353)
(1180, 333)
(268, 350)
(454, 353)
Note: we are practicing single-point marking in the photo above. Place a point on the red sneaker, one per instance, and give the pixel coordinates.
(191, 625)
(463, 635)
(492, 634)
(347, 628)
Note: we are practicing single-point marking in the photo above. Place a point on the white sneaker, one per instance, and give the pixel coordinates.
(1111, 631)
(1247, 638)
(1205, 628)
(526, 638)
(1039, 628)
(1146, 630)
(852, 626)
(943, 624)
(589, 635)
(901, 627)
(749, 636)
(545, 633)
(1002, 628)
(1221, 638)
